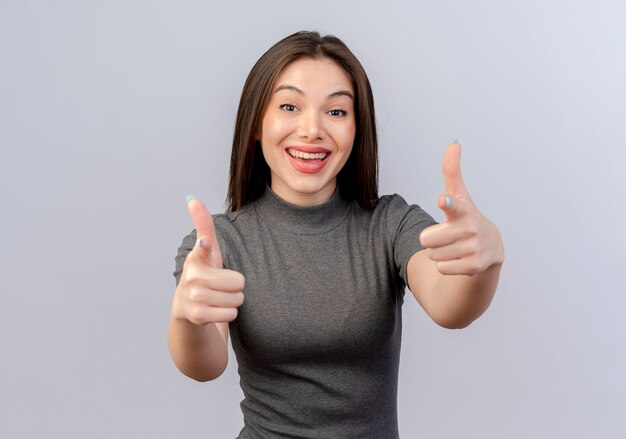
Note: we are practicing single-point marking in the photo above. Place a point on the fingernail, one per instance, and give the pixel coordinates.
(190, 197)
(448, 200)
(457, 141)
(199, 243)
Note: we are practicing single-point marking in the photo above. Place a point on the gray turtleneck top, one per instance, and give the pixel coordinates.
(317, 338)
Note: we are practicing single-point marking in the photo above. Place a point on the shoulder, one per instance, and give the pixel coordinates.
(235, 229)
(395, 207)
(229, 222)
(397, 215)
(390, 202)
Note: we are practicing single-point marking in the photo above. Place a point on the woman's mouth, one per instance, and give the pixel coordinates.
(309, 160)
(307, 155)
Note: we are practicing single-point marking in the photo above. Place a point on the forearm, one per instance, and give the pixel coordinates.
(199, 351)
(457, 300)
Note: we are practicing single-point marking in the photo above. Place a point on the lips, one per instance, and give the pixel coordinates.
(308, 159)
(307, 155)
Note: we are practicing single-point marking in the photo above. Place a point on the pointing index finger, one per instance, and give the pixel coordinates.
(205, 230)
(451, 168)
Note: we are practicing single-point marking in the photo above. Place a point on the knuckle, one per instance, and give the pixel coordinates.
(423, 239)
(188, 259)
(474, 265)
(471, 230)
(241, 298)
(473, 247)
(242, 281)
(190, 274)
(195, 294)
(196, 315)
(195, 312)
(474, 229)
(184, 277)
(231, 314)
(442, 268)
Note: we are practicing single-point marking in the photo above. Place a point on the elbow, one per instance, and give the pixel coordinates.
(203, 376)
(201, 371)
(452, 322)
(457, 320)
(454, 325)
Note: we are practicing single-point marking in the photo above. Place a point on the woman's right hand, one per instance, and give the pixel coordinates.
(206, 293)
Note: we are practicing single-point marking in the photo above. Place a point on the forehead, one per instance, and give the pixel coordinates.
(314, 74)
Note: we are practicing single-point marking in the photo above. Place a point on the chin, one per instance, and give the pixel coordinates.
(308, 187)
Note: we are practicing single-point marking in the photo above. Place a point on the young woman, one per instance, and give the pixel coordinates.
(308, 267)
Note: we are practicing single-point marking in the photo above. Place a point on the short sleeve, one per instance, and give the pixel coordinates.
(409, 220)
(185, 248)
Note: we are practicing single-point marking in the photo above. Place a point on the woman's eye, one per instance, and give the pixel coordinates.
(337, 112)
(288, 107)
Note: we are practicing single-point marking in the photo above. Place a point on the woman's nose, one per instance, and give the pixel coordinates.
(310, 126)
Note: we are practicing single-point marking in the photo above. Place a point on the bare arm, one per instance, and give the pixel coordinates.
(455, 277)
(199, 351)
(206, 299)
(452, 301)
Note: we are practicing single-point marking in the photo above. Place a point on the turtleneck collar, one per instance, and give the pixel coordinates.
(301, 220)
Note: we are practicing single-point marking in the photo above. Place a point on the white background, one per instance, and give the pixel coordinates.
(112, 112)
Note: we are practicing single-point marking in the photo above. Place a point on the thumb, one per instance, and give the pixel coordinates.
(207, 246)
(451, 168)
(451, 206)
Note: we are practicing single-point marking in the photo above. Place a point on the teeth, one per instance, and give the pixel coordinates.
(307, 155)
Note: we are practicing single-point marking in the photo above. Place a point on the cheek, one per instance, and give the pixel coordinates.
(274, 130)
(347, 135)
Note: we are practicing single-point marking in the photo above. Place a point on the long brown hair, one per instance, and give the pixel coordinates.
(249, 173)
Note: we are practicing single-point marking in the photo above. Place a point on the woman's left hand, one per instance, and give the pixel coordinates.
(466, 242)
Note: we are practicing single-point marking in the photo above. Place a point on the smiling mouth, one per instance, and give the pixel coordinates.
(307, 155)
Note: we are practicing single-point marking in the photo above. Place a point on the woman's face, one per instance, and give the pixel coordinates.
(308, 129)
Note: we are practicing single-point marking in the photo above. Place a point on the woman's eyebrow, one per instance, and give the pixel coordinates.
(341, 93)
(297, 90)
(288, 87)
